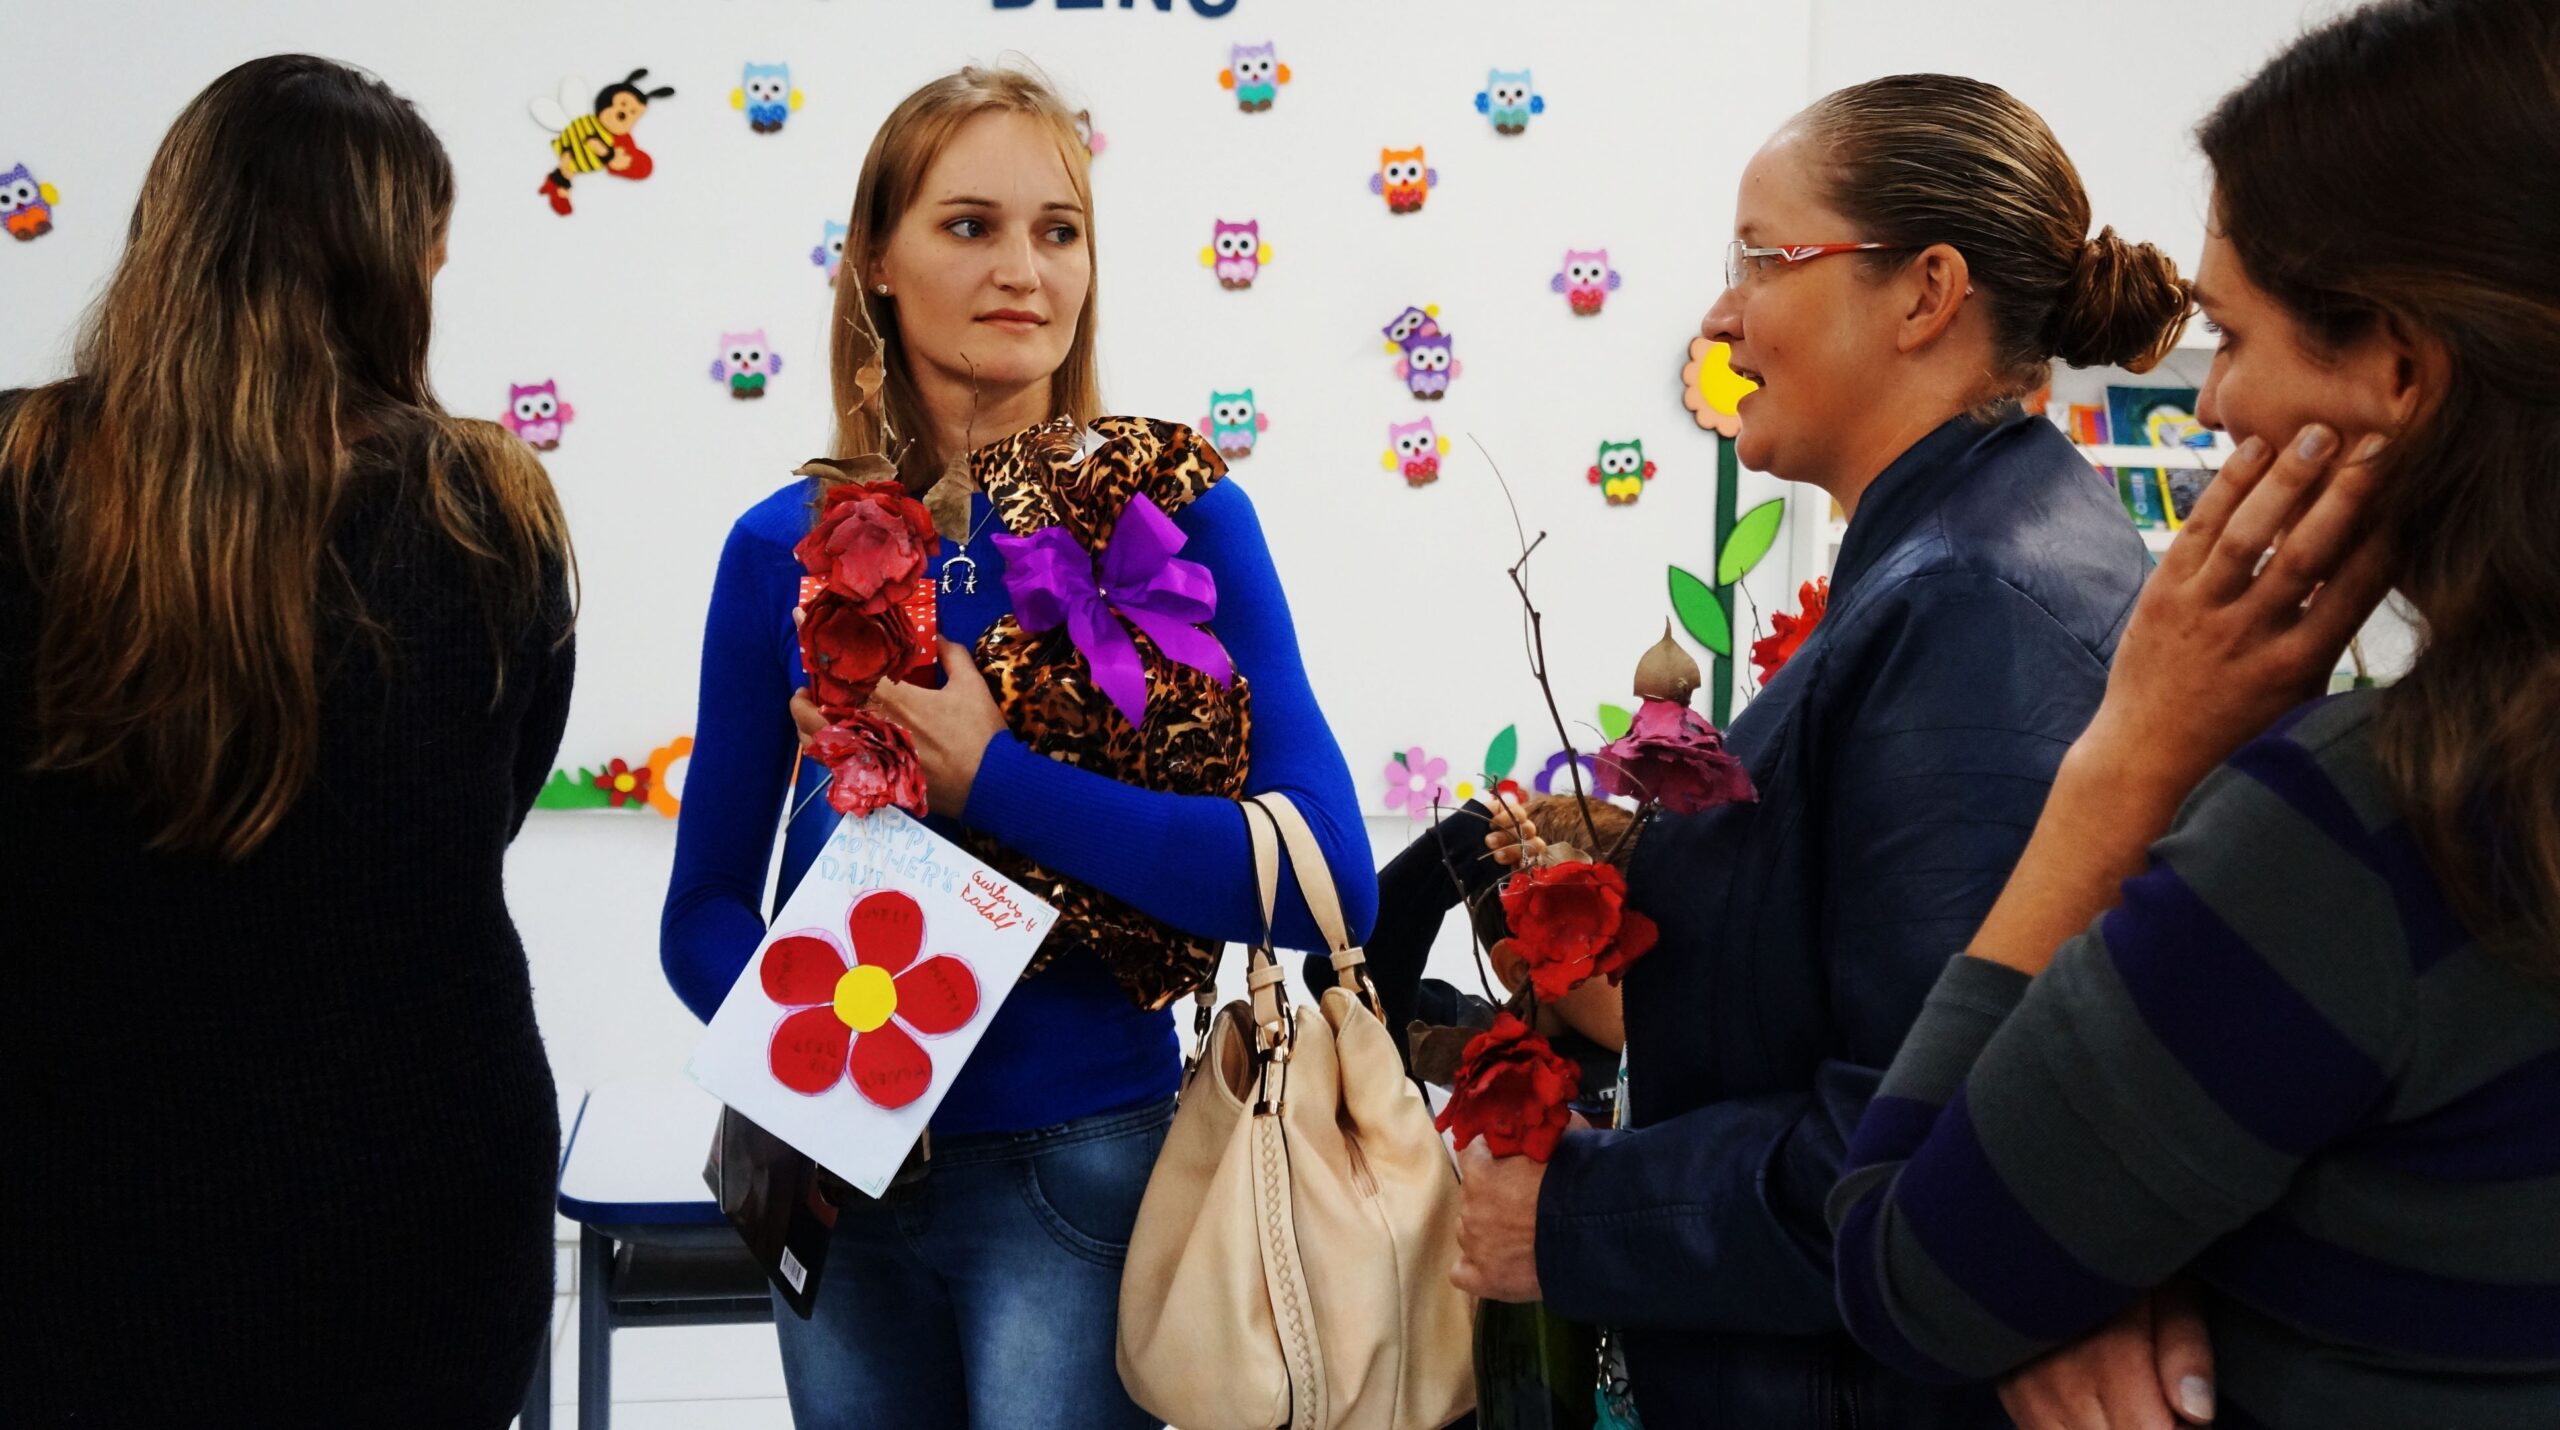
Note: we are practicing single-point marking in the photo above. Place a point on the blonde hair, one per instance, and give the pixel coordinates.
(866, 325)
(176, 496)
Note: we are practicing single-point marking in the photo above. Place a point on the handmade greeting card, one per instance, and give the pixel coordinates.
(871, 989)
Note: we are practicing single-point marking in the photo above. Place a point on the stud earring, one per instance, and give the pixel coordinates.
(880, 288)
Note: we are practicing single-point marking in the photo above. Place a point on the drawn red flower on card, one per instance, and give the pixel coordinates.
(857, 1016)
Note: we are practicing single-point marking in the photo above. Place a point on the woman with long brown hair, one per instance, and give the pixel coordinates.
(983, 1288)
(2309, 1056)
(283, 659)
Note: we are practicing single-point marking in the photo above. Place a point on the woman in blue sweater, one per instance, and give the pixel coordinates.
(983, 1289)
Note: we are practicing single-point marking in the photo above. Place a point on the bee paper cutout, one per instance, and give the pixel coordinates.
(1509, 97)
(537, 414)
(598, 141)
(745, 362)
(765, 93)
(829, 254)
(1622, 472)
(26, 205)
(1403, 179)
(1255, 73)
(1236, 252)
(1414, 449)
(1234, 422)
(1586, 280)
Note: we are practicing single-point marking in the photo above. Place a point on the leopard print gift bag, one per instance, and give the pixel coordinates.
(1104, 663)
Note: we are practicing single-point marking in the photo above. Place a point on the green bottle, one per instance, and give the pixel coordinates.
(1535, 1370)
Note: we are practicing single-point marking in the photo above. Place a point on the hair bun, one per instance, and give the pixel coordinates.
(2123, 306)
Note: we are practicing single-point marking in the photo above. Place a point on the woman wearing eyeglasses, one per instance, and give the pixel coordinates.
(1913, 254)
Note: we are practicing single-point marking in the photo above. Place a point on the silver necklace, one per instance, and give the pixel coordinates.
(961, 557)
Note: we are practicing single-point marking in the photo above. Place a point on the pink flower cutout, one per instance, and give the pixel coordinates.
(858, 1016)
(1414, 783)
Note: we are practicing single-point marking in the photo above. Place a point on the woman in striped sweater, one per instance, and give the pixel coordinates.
(2308, 1059)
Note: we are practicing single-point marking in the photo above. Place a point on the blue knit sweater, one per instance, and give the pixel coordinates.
(1067, 1043)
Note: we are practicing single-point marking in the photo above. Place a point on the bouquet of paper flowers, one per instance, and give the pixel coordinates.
(866, 616)
(1567, 909)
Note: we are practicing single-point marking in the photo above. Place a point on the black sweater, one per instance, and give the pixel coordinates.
(281, 1134)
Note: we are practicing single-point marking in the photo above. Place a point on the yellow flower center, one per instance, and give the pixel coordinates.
(865, 997)
(625, 783)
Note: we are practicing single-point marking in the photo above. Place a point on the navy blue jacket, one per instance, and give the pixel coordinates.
(1902, 758)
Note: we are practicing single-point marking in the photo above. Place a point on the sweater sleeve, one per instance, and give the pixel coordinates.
(2019, 1179)
(1931, 774)
(744, 751)
(550, 661)
(1186, 859)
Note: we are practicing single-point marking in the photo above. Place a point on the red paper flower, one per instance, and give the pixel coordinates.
(1570, 921)
(1771, 652)
(1511, 1089)
(870, 543)
(848, 651)
(871, 763)
(1674, 757)
(858, 1016)
(623, 784)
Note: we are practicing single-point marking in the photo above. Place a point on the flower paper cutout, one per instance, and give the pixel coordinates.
(857, 1016)
(1712, 390)
(623, 784)
(1415, 783)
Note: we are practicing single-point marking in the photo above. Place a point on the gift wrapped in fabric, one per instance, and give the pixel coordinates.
(1107, 661)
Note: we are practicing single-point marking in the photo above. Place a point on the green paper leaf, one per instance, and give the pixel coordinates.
(1752, 537)
(1614, 721)
(563, 791)
(1502, 754)
(1701, 614)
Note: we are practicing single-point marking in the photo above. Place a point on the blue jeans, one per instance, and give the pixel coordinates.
(985, 1297)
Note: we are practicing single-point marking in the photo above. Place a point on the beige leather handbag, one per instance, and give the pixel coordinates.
(1291, 1261)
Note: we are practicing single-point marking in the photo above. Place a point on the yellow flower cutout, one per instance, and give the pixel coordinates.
(1713, 391)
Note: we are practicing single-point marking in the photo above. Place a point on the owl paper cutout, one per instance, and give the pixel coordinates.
(1255, 73)
(764, 92)
(829, 254)
(1414, 450)
(537, 414)
(1508, 98)
(1236, 253)
(746, 360)
(1586, 280)
(1404, 179)
(26, 205)
(1621, 472)
(1234, 422)
(1429, 363)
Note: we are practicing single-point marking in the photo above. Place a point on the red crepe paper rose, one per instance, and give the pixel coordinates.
(848, 651)
(858, 1015)
(623, 784)
(1511, 1089)
(870, 544)
(871, 764)
(1771, 652)
(1571, 921)
(1674, 757)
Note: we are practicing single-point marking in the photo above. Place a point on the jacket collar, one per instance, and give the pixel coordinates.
(1914, 485)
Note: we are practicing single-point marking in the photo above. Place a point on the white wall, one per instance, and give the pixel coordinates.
(1411, 635)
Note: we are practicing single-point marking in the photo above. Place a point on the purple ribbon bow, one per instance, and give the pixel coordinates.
(1137, 578)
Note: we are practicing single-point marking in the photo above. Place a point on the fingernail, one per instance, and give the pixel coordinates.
(2368, 449)
(2251, 450)
(2195, 1397)
(2317, 442)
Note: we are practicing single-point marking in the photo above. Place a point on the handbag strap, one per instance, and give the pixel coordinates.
(1265, 983)
(1323, 898)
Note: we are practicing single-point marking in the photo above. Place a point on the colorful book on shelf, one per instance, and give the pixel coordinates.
(2158, 417)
